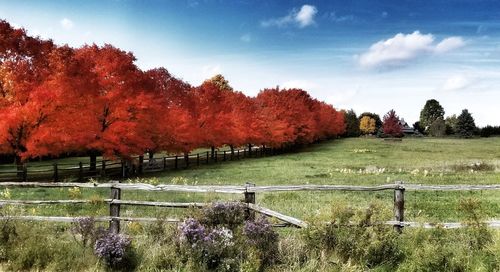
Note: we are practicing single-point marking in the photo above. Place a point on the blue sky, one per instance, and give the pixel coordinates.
(367, 55)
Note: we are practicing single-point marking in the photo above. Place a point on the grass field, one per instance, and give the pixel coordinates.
(355, 161)
(359, 161)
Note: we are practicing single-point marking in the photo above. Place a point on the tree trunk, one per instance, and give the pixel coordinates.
(186, 159)
(232, 150)
(249, 150)
(212, 148)
(93, 161)
(151, 155)
(19, 166)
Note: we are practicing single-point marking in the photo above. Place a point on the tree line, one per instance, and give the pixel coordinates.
(432, 123)
(94, 99)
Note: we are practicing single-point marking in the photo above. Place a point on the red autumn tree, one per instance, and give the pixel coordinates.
(174, 125)
(25, 100)
(289, 118)
(110, 123)
(392, 126)
(329, 122)
(214, 113)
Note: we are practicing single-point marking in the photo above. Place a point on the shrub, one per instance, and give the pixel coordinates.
(84, 230)
(489, 131)
(228, 214)
(208, 248)
(262, 236)
(115, 250)
(357, 235)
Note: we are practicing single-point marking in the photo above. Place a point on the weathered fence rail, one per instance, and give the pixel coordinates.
(249, 192)
(136, 166)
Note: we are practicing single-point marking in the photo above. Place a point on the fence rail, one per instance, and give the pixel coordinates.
(249, 191)
(137, 166)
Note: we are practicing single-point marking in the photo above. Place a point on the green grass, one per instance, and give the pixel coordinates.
(355, 161)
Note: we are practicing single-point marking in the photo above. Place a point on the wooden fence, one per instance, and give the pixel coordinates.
(248, 191)
(137, 166)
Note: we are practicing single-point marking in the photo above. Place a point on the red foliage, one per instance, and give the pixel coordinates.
(57, 99)
(391, 125)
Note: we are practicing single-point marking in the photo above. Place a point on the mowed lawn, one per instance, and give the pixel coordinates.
(354, 161)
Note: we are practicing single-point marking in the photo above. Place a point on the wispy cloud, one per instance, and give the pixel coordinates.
(456, 83)
(403, 48)
(301, 18)
(334, 17)
(66, 23)
(246, 38)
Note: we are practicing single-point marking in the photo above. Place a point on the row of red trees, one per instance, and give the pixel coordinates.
(94, 99)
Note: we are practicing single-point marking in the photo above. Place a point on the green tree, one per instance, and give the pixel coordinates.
(352, 124)
(431, 112)
(465, 124)
(437, 128)
(451, 124)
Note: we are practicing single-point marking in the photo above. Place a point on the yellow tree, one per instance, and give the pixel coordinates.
(367, 125)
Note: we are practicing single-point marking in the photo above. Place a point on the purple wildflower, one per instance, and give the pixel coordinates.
(262, 236)
(112, 248)
(192, 231)
(230, 214)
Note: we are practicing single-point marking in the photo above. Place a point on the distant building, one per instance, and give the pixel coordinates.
(406, 128)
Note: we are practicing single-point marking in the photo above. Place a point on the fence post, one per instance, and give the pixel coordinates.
(215, 155)
(140, 167)
(56, 173)
(207, 156)
(114, 210)
(176, 161)
(80, 171)
(224, 158)
(249, 198)
(249, 150)
(197, 159)
(125, 169)
(238, 154)
(399, 205)
(103, 168)
(164, 163)
(25, 172)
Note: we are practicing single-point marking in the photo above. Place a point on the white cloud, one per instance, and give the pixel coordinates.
(246, 38)
(449, 44)
(305, 17)
(301, 18)
(404, 47)
(67, 23)
(456, 83)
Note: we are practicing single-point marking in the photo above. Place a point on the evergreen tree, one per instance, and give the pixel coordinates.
(465, 124)
(451, 124)
(352, 124)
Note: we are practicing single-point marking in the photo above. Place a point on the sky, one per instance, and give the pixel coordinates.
(367, 55)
